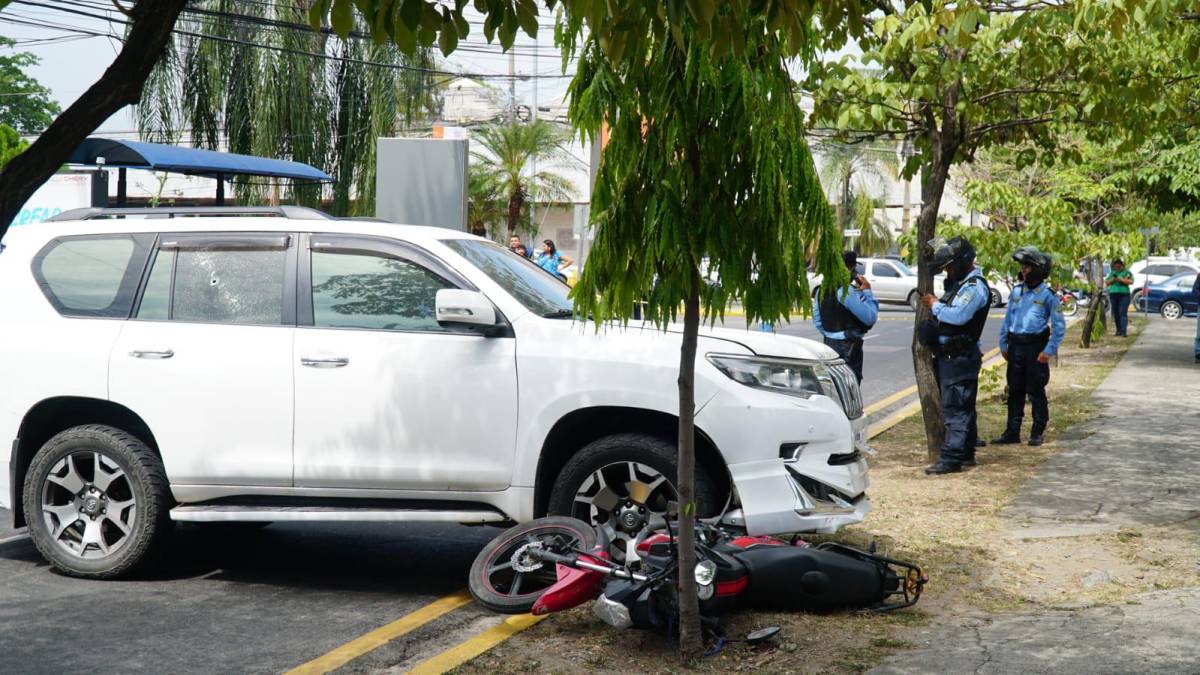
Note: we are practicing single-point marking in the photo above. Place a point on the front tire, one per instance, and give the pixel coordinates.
(1171, 310)
(505, 580)
(96, 500)
(617, 482)
(995, 299)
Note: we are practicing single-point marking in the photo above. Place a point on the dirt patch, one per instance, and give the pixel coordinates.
(952, 525)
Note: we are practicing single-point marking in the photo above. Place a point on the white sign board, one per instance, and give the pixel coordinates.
(852, 233)
(64, 191)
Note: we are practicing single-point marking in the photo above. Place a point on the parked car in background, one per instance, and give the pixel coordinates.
(1158, 270)
(274, 364)
(891, 280)
(999, 286)
(1173, 298)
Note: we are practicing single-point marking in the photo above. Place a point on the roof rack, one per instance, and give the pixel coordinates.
(97, 213)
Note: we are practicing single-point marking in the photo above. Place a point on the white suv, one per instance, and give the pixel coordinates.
(276, 364)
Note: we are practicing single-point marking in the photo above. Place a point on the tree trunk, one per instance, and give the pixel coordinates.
(151, 22)
(1095, 308)
(691, 640)
(933, 185)
(516, 204)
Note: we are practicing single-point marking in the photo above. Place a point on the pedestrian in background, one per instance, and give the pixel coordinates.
(953, 335)
(552, 261)
(515, 245)
(1031, 333)
(1196, 292)
(1119, 280)
(844, 316)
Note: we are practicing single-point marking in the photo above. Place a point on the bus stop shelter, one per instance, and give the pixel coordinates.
(221, 166)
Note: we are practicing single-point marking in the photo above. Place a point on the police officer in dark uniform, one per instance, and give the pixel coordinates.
(953, 335)
(844, 317)
(1032, 331)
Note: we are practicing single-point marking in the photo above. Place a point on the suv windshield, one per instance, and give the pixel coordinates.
(529, 284)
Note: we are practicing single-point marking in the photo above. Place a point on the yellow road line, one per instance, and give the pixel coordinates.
(474, 646)
(881, 404)
(915, 407)
(381, 636)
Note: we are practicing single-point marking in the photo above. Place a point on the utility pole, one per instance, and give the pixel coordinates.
(533, 117)
(512, 87)
(906, 152)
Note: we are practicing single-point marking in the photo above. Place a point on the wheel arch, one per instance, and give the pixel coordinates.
(53, 415)
(580, 427)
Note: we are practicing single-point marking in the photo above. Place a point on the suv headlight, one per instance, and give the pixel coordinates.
(786, 376)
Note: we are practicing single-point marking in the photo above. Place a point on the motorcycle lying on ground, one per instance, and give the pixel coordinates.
(553, 564)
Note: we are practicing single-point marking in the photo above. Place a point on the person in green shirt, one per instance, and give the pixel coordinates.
(1119, 280)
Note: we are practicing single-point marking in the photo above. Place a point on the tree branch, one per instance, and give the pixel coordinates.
(150, 23)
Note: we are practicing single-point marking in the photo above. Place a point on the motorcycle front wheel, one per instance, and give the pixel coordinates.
(1070, 306)
(505, 578)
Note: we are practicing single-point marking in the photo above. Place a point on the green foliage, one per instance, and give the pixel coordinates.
(510, 148)
(624, 31)
(328, 114)
(11, 144)
(25, 105)
(876, 237)
(486, 203)
(706, 159)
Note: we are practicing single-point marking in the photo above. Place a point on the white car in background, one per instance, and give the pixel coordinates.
(274, 364)
(893, 281)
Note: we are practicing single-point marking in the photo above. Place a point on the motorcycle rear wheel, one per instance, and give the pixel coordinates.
(504, 581)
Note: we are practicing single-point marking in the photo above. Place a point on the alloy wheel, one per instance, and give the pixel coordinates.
(88, 505)
(619, 497)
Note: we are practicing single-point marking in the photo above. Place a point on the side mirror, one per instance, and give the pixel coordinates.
(458, 307)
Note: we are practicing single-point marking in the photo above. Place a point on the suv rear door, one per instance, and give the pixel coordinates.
(385, 396)
(206, 359)
(887, 282)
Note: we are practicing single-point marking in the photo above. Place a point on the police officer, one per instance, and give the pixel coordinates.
(953, 335)
(843, 318)
(1033, 329)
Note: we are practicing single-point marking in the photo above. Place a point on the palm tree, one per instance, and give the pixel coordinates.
(845, 168)
(261, 82)
(485, 201)
(510, 148)
(875, 236)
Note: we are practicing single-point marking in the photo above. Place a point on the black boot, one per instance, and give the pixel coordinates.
(980, 443)
(1007, 438)
(942, 467)
(970, 461)
(1035, 436)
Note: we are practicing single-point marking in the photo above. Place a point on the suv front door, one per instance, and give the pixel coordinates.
(385, 396)
(206, 358)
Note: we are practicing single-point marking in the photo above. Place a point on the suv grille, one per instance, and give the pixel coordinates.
(846, 385)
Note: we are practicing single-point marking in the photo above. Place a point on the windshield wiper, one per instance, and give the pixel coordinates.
(559, 314)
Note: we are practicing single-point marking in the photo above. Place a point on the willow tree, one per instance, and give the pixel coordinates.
(328, 101)
(706, 160)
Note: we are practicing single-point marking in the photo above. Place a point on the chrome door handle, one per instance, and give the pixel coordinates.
(152, 353)
(324, 362)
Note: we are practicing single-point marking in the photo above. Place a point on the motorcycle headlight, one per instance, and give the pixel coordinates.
(786, 376)
(706, 572)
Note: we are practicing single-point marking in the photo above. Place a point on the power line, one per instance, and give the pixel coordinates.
(299, 52)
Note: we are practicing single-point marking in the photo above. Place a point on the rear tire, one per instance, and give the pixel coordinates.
(995, 299)
(493, 574)
(1171, 310)
(914, 300)
(97, 499)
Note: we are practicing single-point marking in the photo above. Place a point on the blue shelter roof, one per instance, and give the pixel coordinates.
(192, 161)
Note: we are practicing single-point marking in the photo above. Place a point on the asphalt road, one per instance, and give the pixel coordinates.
(270, 599)
(262, 601)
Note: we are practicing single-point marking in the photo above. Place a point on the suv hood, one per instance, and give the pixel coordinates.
(768, 344)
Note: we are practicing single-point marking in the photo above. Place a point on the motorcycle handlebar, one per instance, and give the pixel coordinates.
(577, 563)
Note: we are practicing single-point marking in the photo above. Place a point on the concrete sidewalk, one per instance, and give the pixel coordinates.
(1136, 464)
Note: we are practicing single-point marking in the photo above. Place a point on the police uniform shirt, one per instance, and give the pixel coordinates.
(969, 298)
(1027, 314)
(861, 303)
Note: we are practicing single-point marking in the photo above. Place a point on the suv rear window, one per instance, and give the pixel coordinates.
(94, 276)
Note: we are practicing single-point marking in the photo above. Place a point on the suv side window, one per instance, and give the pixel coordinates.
(374, 291)
(92, 275)
(226, 282)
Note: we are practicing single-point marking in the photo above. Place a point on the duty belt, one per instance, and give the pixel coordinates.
(1028, 338)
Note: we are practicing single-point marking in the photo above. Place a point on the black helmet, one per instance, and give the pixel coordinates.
(957, 254)
(1040, 264)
